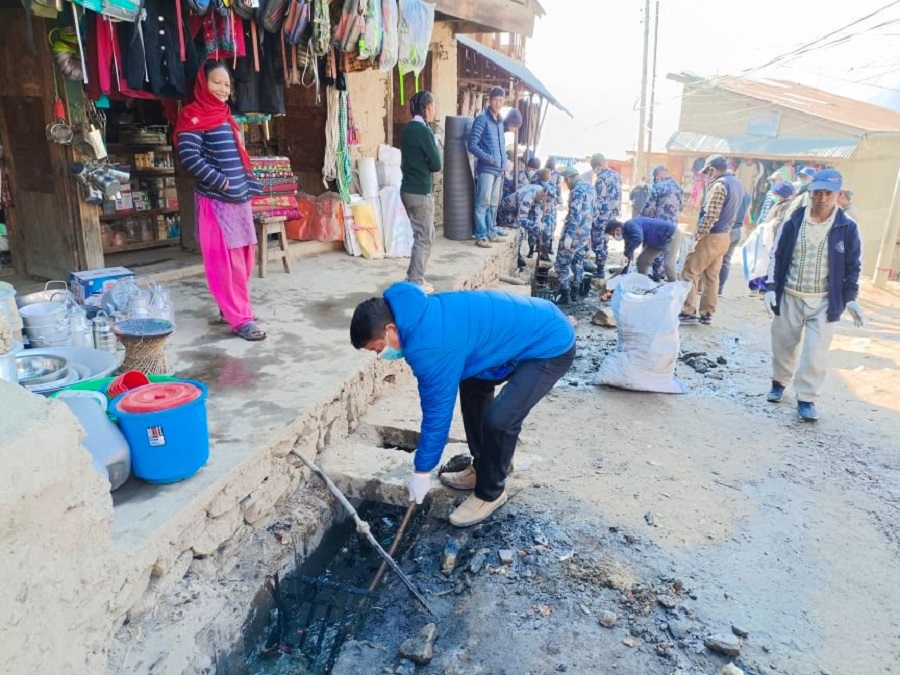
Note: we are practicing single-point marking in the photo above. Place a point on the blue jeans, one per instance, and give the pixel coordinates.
(487, 200)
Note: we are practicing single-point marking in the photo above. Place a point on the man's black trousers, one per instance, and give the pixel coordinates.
(493, 423)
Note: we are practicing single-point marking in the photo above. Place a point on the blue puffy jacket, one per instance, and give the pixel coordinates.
(487, 143)
(651, 232)
(450, 337)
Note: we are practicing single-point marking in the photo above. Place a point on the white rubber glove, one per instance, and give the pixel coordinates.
(769, 301)
(859, 317)
(418, 485)
(567, 243)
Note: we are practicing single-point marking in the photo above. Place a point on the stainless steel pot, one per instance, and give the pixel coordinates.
(43, 315)
(51, 289)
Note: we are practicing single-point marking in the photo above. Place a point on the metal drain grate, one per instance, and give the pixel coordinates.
(314, 618)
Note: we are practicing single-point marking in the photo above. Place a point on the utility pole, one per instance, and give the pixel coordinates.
(653, 85)
(639, 159)
(888, 240)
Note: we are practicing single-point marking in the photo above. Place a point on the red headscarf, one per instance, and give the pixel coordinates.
(207, 112)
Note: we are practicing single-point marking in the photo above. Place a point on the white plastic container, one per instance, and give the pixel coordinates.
(108, 448)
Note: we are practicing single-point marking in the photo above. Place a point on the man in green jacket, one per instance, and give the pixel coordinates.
(420, 158)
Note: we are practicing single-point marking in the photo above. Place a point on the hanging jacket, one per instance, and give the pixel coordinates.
(151, 48)
(263, 91)
(450, 337)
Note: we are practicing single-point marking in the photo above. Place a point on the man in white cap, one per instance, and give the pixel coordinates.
(813, 277)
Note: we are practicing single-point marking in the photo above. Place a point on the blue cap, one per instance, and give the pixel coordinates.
(783, 189)
(829, 180)
(807, 171)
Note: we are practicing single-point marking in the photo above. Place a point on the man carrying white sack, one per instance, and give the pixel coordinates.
(814, 272)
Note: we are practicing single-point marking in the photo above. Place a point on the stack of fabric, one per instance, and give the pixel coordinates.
(279, 196)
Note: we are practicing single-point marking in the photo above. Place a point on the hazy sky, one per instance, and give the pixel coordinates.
(588, 53)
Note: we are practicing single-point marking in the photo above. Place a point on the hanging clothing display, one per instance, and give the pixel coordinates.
(261, 91)
(160, 55)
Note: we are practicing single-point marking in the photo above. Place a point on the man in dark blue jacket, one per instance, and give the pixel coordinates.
(658, 237)
(470, 341)
(486, 142)
(815, 276)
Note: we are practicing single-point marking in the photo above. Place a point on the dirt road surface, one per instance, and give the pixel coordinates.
(686, 516)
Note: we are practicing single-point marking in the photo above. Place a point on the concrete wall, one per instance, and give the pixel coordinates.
(56, 558)
(721, 112)
(871, 173)
(367, 102)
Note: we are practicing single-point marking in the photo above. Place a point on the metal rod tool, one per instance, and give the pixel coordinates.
(363, 528)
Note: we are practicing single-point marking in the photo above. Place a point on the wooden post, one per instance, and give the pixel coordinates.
(516, 141)
(389, 109)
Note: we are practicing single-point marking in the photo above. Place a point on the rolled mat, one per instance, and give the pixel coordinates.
(459, 187)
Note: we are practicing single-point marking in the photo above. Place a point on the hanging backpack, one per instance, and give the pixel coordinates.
(296, 22)
(199, 7)
(273, 15)
(246, 9)
(321, 22)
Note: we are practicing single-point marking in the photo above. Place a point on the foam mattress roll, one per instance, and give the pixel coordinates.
(459, 187)
(368, 177)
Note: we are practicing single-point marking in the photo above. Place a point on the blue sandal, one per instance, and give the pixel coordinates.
(250, 332)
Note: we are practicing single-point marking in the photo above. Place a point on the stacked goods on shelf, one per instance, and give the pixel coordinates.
(279, 196)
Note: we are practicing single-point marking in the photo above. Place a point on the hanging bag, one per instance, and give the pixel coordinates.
(296, 22)
(273, 15)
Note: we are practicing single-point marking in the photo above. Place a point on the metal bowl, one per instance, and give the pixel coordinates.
(41, 368)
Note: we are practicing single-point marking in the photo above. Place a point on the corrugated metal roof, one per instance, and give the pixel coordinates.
(799, 97)
(756, 146)
(515, 68)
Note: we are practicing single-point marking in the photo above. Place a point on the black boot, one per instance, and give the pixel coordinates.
(520, 261)
(530, 252)
(565, 297)
(545, 256)
(574, 292)
(585, 289)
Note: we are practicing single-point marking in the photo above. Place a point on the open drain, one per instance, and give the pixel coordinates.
(316, 609)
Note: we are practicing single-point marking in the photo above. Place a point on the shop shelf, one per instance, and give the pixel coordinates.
(122, 215)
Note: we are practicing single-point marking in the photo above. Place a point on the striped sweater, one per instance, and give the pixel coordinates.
(213, 159)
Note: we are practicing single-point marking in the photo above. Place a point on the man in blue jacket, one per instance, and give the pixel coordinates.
(658, 237)
(470, 341)
(486, 142)
(815, 276)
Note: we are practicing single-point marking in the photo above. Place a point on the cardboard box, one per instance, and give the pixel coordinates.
(125, 202)
(90, 282)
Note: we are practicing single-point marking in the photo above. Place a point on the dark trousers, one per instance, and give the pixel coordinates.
(493, 423)
(736, 233)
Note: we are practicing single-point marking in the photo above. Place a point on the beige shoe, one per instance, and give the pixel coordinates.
(460, 480)
(483, 243)
(475, 510)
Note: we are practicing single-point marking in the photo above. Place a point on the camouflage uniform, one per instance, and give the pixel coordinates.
(523, 207)
(578, 227)
(549, 220)
(665, 202)
(608, 202)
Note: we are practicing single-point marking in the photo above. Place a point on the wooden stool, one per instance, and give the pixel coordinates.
(265, 227)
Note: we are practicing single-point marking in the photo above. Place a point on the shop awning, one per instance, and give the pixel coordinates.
(515, 69)
(762, 148)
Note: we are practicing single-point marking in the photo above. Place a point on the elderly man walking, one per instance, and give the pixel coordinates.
(815, 276)
(713, 235)
(486, 142)
(607, 204)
